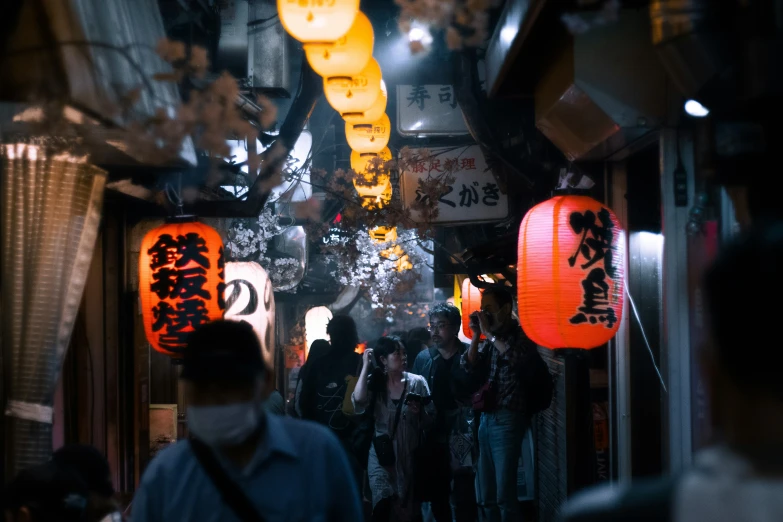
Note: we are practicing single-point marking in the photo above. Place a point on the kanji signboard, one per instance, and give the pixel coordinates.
(427, 110)
(473, 197)
(181, 283)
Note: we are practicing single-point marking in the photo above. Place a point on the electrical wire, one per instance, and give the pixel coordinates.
(644, 336)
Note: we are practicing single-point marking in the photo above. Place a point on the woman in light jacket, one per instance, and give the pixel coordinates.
(385, 393)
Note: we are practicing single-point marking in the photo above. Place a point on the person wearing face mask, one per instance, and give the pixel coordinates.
(243, 463)
(501, 402)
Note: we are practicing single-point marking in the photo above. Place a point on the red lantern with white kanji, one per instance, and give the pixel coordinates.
(181, 282)
(471, 302)
(570, 273)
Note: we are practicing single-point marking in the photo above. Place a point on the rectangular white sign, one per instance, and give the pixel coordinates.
(429, 110)
(473, 197)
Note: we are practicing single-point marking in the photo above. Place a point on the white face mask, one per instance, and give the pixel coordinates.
(224, 425)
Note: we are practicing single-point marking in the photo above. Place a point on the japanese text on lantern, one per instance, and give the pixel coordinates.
(594, 255)
(179, 268)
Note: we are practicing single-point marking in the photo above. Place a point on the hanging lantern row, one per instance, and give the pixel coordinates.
(570, 273)
(338, 41)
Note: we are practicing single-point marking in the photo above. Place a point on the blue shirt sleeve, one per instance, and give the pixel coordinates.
(345, 500)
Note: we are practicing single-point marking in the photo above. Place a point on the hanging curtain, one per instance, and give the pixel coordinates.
(51, 210)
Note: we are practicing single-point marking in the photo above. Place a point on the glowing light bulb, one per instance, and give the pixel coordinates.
(696, 109)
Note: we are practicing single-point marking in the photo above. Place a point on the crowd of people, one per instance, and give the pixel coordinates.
(424, 427)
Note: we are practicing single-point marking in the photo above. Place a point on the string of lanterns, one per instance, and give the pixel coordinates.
(338, 41)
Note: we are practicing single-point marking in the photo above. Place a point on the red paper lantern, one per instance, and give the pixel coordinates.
(471, 302)
(570, 273)
(181, 282)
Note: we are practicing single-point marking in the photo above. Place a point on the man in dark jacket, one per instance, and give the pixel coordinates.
(741, 477)
(451, 391)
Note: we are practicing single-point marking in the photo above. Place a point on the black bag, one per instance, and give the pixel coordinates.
(384, 444)
(538, 382)
(230, 492)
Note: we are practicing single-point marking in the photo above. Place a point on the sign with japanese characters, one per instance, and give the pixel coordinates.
(473, 197)
(181, 283)
(570, 273)
(429, 110)
(250, 298)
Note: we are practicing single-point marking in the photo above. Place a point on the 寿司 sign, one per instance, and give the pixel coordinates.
(473, 197)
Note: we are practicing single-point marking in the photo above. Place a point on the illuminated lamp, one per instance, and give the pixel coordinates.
(354, 94)
(317, 21)
(316, 320)
(471, 302)
(368, 137)
(345, 56)
(181, 282)
(376, 110)
(401, 259)
(378, 202)
(383, 234)
(570, 273)
(250, 298)
(360, 160)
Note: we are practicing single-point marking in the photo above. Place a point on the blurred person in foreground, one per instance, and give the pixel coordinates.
(45, 493)
(741, 477)
(242, 462)
(92, 468)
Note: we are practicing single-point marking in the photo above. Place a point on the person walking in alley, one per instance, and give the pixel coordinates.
(741, 476)
(91, 467)
(449, 384)
(401, 409)
(243, 463)
(46, 493)
(501, 400)
(328, 382)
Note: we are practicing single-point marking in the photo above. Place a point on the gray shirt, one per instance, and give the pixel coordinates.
(299, 473)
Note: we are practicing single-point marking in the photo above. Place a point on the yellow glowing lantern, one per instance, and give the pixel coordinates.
(374, 113)
(368, 137)
(316, 20)
(346, 56)
(380, 185)
(401, 260)
(361, 160)
(377, 202)
(383, 234)
(355, 94)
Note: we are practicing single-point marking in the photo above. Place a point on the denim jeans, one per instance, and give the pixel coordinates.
(500, 444)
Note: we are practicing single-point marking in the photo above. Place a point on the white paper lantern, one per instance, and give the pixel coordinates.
(250, 298)
(316, 320)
